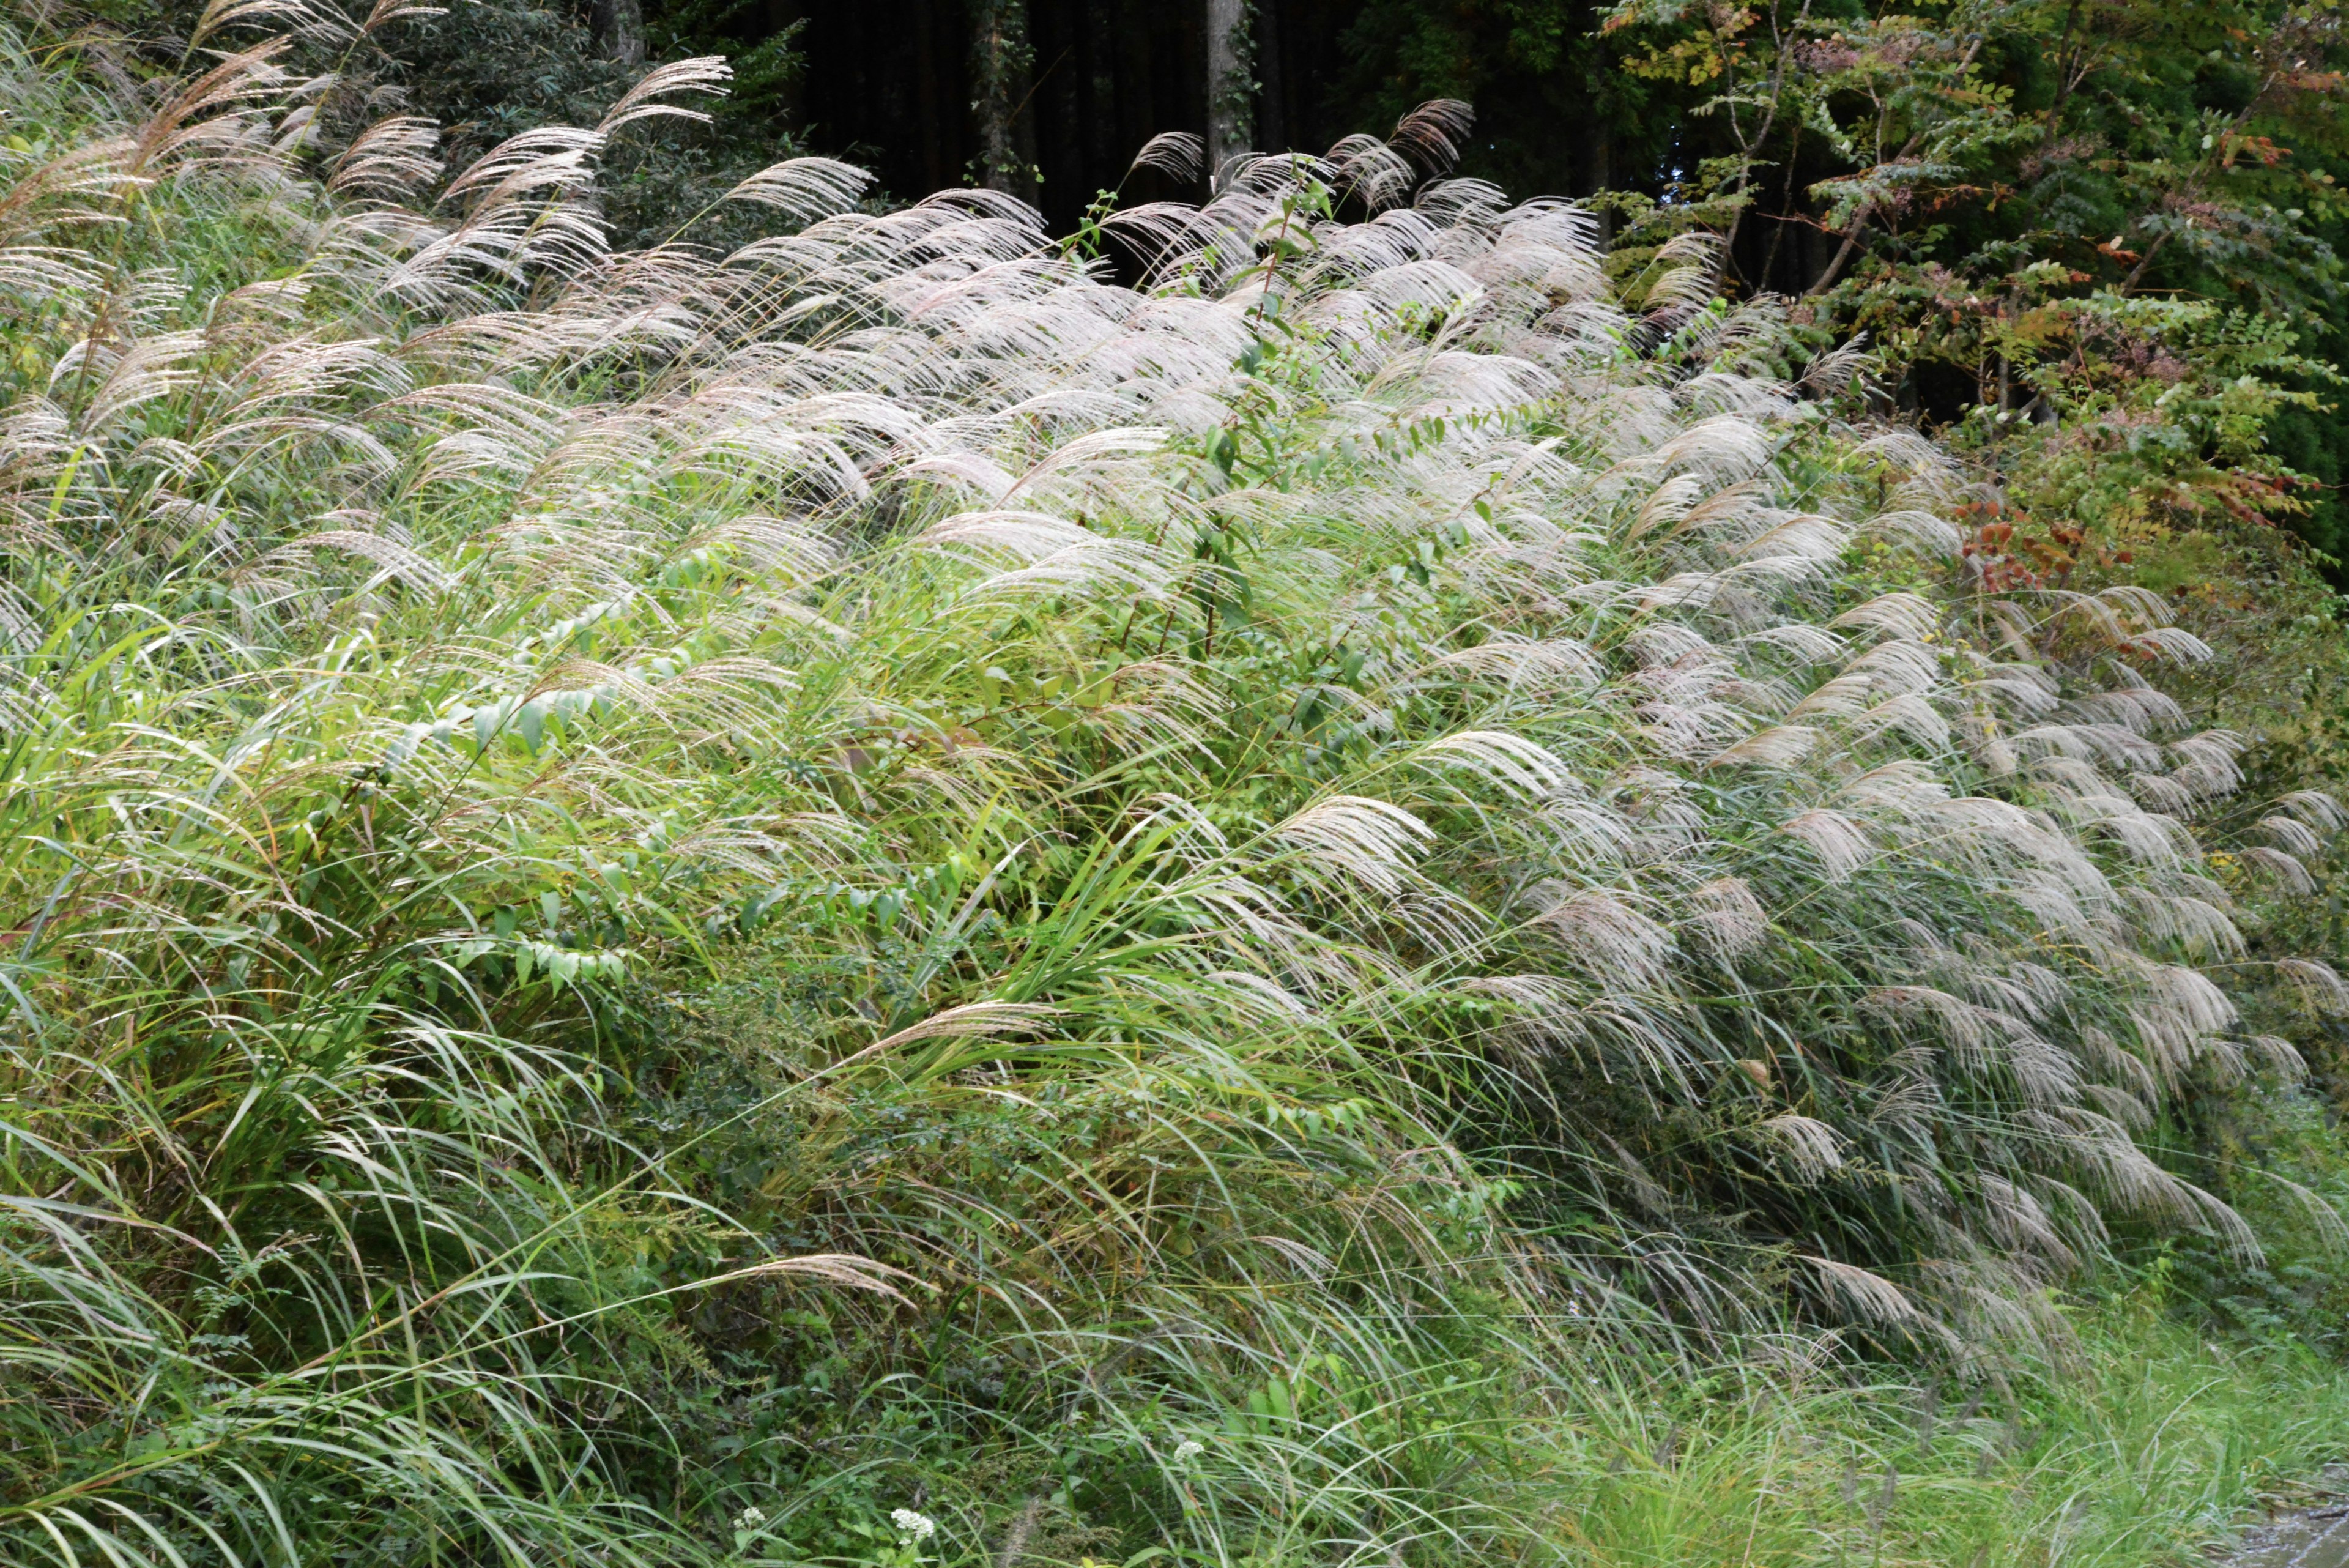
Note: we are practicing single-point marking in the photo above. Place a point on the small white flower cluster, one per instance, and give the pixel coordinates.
(914, 1527)
(751, 1518)
(1187, 1451)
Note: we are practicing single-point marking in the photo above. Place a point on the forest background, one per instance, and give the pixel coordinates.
(2002, 197)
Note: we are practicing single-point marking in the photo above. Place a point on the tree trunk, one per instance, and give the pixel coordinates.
(618, 26)
(1001, 62)
(1096, 116)
(1272, 121)
(1597, 173)
(1231, 82)
(930, 96)
(1136, 77)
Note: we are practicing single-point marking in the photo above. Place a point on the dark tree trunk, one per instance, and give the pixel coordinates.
(1097, 101)
(1598, 166)
(1272, 120)
(938, 166)
(1231, 82)
(618, 26)
(1002, 68)
(1137, 114)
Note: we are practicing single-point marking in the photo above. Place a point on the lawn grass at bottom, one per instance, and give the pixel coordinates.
(2145, 1443)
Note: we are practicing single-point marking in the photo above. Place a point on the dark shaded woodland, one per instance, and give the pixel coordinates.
(2046, 209)
(2033, 132)
(893, 84)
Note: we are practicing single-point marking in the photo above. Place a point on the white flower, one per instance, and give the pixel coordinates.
(913, 1526)
(750, 1519)
(1188, 1449)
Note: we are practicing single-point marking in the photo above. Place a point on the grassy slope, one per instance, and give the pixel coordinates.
(2147, 1444)
(878, 875)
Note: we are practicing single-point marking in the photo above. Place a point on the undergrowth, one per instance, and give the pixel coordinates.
(872, 900)
(2145, 1446)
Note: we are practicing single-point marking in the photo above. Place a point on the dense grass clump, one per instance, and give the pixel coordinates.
(875, 900)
